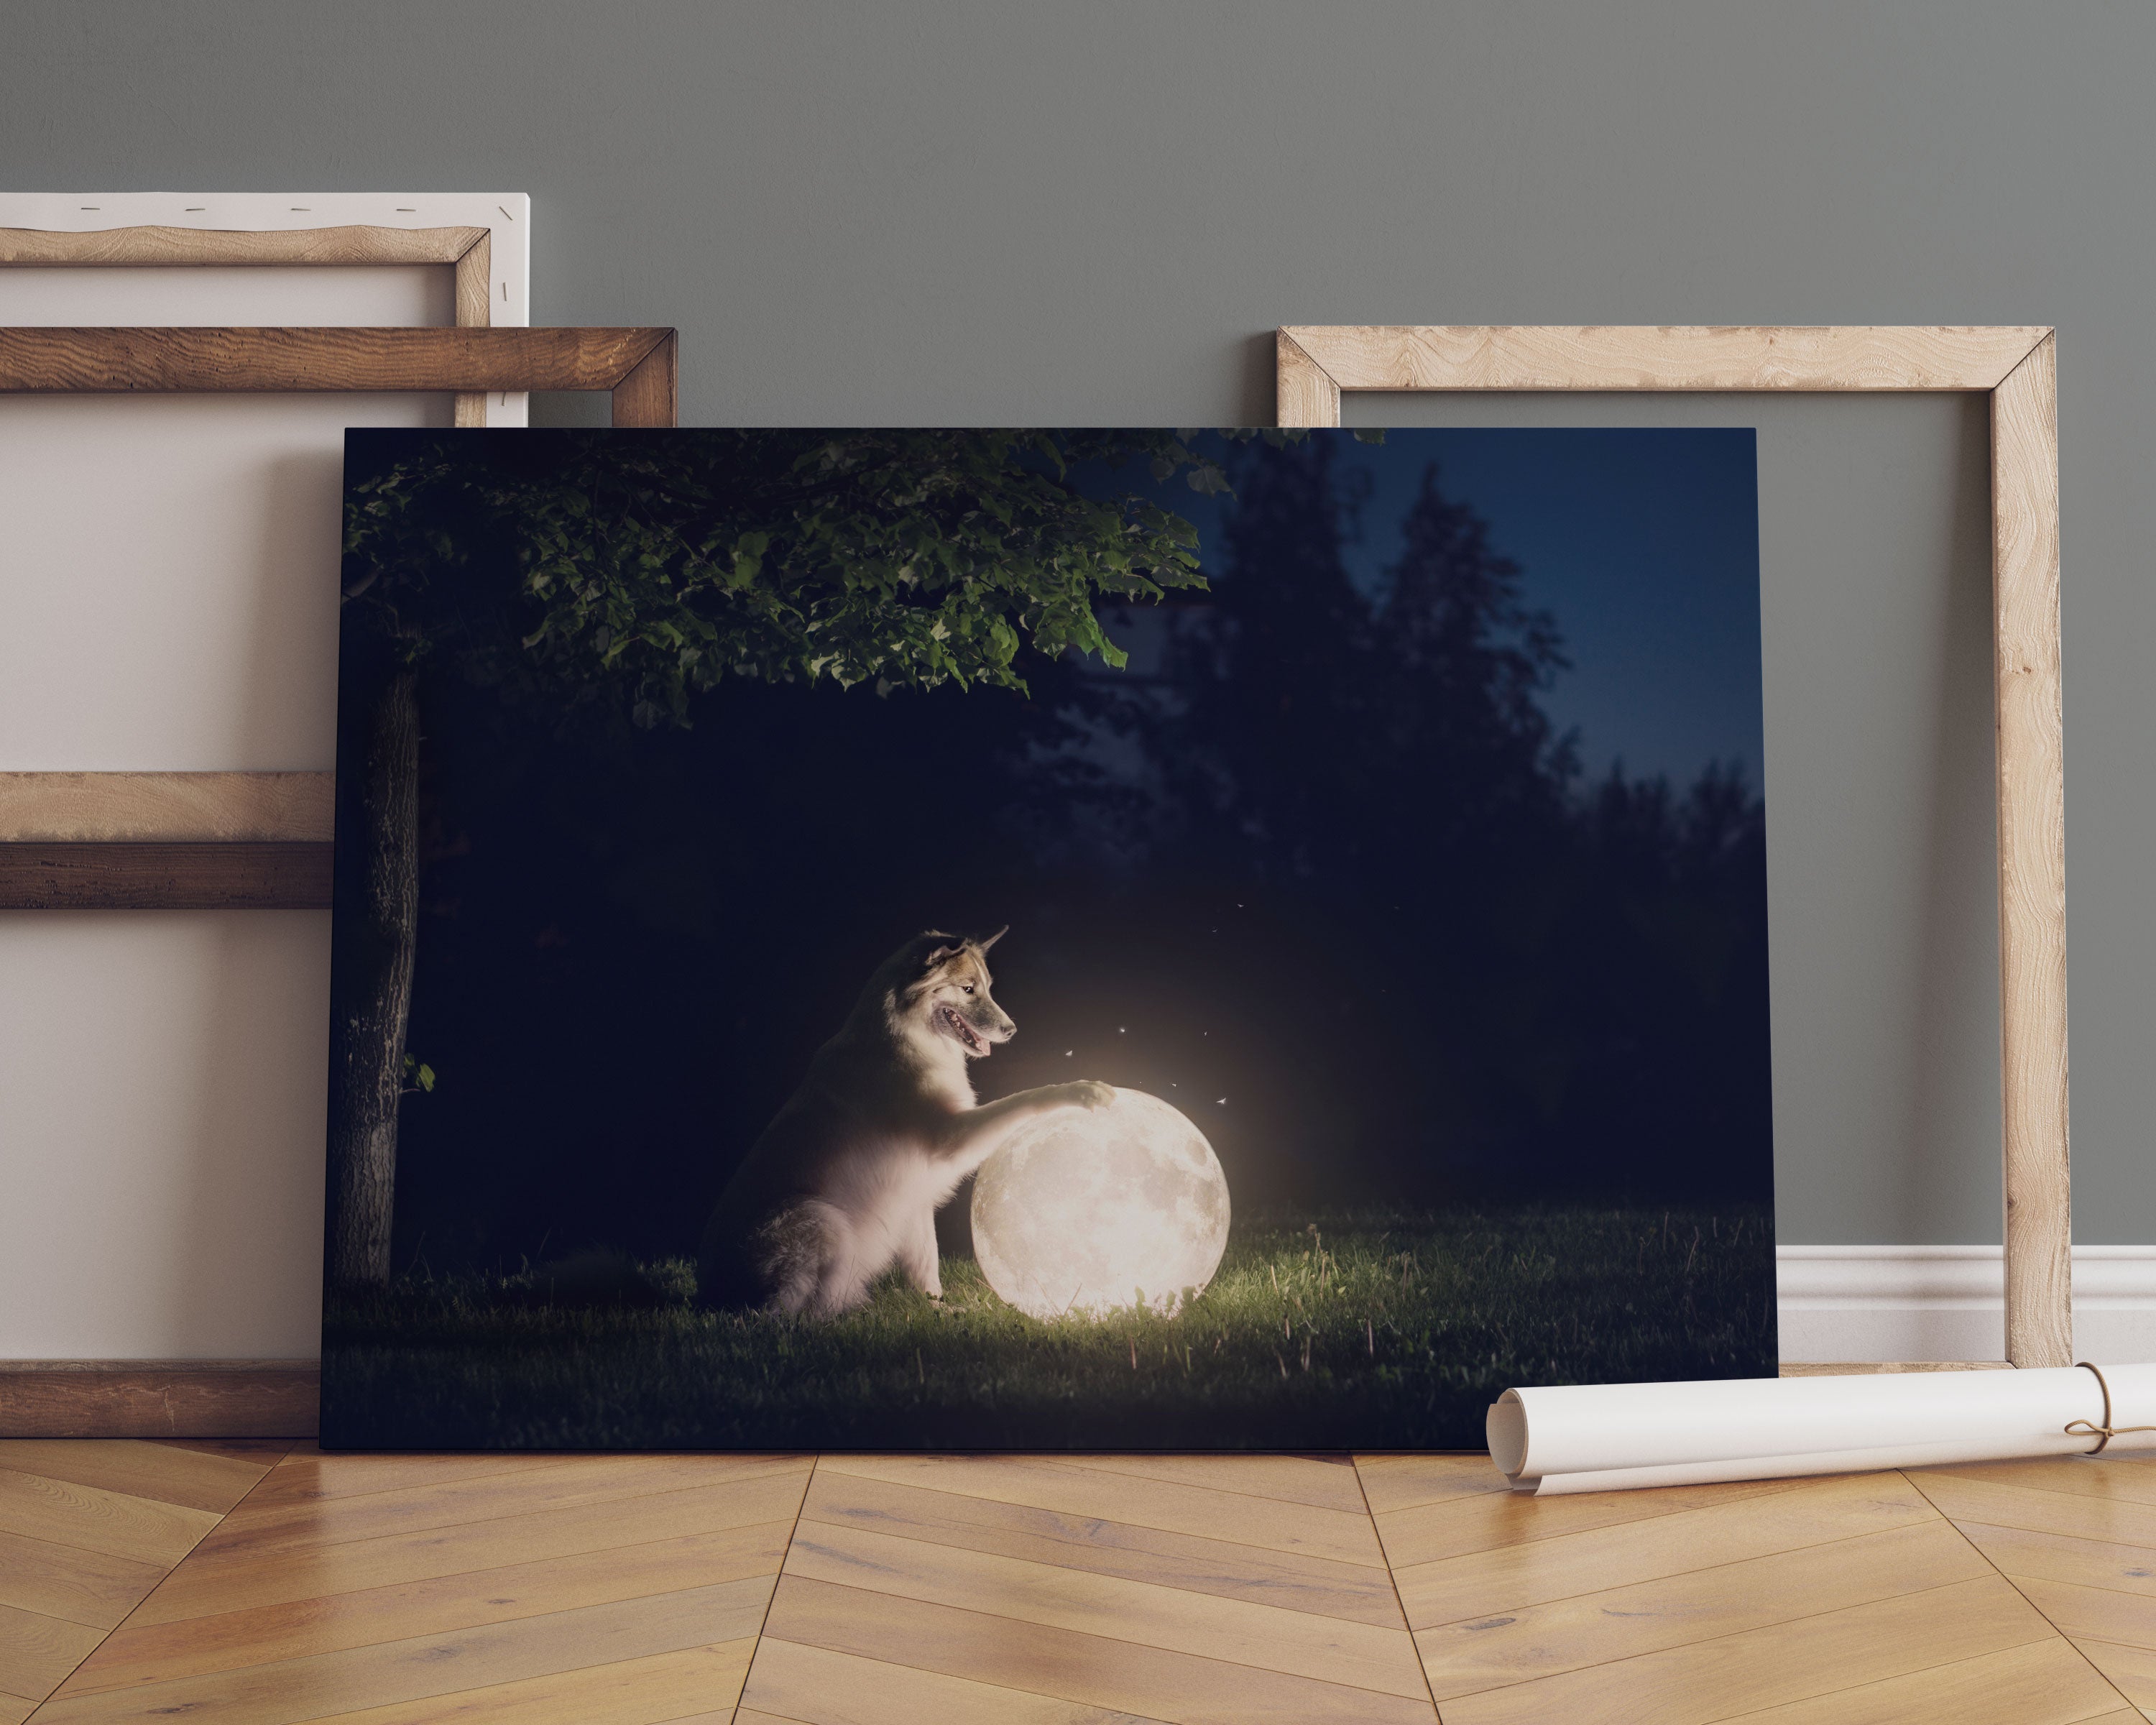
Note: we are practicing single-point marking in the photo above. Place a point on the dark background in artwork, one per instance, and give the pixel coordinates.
(1320, 868)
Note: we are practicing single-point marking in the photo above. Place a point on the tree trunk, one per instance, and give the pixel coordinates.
(377, 918)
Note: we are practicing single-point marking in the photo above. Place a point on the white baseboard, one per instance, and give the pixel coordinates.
(1893, 1302)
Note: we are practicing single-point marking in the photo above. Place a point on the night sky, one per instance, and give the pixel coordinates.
(1644, 543)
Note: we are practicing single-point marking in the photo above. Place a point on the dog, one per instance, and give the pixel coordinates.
(848, 1177)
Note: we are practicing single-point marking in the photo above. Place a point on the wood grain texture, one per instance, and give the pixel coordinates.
(1304, 394)
(247, 875)
(330, 1623)
(576, 1589)
(1524, 1570)
(1799, 1660)
(393, 1560)
(1109, 1673)
(90, 808)
(214, 1483)
(2017, 366)
(1487, 1652)
(2043, 1682)
(475, 310)
(152, 1399)
(370, 1589)
(1316, 1585)
(1668, 357)
(2131, 1670)
(815, 1685)
(1087, 1588)
(86, 1530)
(1244, 1632)
(425, 1668)
(2032, 891)
(652, 1691)
(161, 247)
(57, 1579)
(2110, 1520)
(37, 1651)
(169, 362)
(1051, 1483)
(650, 394)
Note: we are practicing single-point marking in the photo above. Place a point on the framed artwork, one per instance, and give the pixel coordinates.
(991, 939)
(2016, 369)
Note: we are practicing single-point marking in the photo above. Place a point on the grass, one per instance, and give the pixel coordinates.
(1372, 1331)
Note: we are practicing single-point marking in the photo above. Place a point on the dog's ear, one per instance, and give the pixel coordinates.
(993, 938)
(947, 947)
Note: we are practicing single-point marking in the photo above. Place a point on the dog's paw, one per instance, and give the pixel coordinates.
(1088, 1093)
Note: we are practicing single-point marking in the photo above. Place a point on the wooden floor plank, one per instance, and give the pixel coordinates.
(2078, 1515)
(37, 1651)
(1232, 1632)
(281, 1577)
(308, 1475)
(14, 1709)
(2096, 1612)
(85, 1587)
(1537, 1571)
(2130, 1478)
(1319, 1585)
(1748, 1672)
(1483, 1521)
(1322, 1482)
(2041, 1683)
(814, 1686)
(1117, 1676)
(1594, 1629)
(156, 1472)
(2132, 1671)
(116, 1523)
(151, 1653)
(1341, 1535)
(433, 1665)
(2020, 1552)
(1393, 1482)
(635, 1691)
(269, 1451)
(570, 1482)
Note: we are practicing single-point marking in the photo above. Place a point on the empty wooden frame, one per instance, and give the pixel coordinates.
(261, 841)
(2016, 368)
(468, 251)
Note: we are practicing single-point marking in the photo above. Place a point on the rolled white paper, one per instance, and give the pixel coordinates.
(1604, 1437)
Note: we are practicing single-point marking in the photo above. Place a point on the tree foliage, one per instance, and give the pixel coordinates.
(646, 567)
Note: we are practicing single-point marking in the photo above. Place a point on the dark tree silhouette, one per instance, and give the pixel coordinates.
(624, 576)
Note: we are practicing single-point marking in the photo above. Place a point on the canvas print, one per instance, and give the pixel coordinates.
(1127, 939)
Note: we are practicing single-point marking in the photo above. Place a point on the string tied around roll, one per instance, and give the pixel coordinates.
(2105, 1433)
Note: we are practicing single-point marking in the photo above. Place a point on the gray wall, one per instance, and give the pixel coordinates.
(1091, 214)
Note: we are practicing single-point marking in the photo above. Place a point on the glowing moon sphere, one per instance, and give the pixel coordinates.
(1084, 1211)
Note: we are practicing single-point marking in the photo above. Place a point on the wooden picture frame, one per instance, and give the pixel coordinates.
(242, 840)
(2016, 368)
(466, 248)
(254, 840)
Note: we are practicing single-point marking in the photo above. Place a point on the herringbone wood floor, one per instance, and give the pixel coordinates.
(259, 1584)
